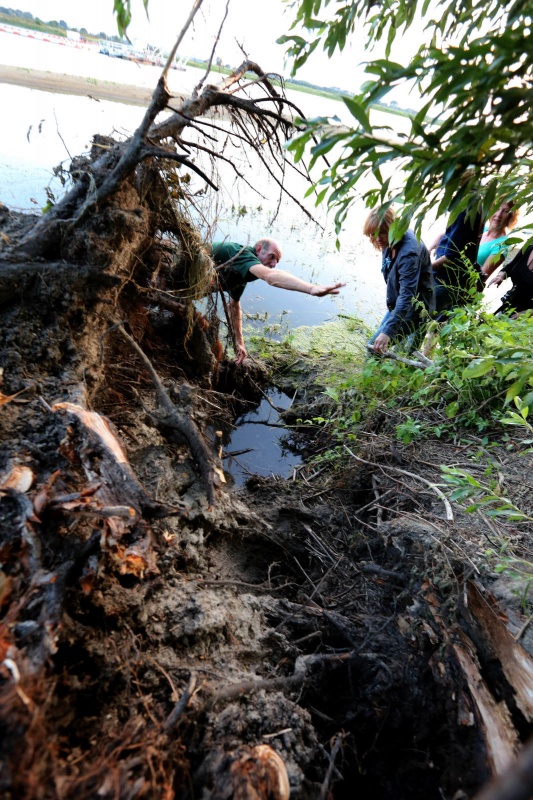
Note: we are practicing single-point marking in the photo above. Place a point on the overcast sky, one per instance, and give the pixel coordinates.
(256, 24)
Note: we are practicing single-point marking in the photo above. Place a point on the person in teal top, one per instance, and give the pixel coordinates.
(492, 247)
(237, 265)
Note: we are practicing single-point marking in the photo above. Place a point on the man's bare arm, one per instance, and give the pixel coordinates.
(284, 280)
(235, 313)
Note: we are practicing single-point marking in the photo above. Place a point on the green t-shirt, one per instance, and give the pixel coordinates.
(234, 277)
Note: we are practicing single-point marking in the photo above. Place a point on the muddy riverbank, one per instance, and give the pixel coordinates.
(75, 84)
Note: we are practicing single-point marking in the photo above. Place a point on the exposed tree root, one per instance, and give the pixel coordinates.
(171, 417)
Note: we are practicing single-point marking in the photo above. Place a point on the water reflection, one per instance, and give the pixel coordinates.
(256, 442)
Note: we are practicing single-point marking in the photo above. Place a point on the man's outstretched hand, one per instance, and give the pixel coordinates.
(322, 291)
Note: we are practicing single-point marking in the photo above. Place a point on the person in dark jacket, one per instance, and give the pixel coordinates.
(455, 261)
(406, 268)
(520, 270)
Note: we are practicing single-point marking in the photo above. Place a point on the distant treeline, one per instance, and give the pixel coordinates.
(24, 19)
(331, 89)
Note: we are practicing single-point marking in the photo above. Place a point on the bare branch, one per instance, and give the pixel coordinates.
(219, 156)
(202, 80)
(170, 59)
(284, 189)
(249, 66)
(159, 152)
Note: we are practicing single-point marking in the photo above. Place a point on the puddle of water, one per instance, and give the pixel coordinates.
(253, 432)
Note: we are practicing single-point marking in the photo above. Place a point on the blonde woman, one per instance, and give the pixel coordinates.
(406, 268)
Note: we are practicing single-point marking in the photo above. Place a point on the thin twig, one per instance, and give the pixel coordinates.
(160, 152)
(301, 667)
(181, 705)
(324, 789)
(170, 59)
(265, 587)
(324, 576)
(208, 68)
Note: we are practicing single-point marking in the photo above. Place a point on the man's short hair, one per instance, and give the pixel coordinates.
(268, 244)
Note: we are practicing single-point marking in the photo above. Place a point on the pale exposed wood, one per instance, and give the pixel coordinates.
(99, 426)
(422, 363)
(500, 735)
(501, 739)
(517, 665)
(118, 489)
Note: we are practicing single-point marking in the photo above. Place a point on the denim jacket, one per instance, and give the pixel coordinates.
(408, 276)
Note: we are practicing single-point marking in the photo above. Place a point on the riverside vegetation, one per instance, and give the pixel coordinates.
(475, 394)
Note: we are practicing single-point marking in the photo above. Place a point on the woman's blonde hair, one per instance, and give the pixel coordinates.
(376, 221)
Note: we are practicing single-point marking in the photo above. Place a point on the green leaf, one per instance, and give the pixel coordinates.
(478, 367)
(452, 409)
(357, 111)
(513, 390)
(122, 8)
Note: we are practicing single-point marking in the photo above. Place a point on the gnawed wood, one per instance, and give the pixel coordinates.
(499, 732)
(105, 462)
(500, 736)
(517, 665)
(120, 485)
(98, 426)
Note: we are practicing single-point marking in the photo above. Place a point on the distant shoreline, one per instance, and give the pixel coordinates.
(108, 90)
(75, 84)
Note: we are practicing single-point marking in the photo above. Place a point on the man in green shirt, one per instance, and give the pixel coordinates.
(238, 265)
